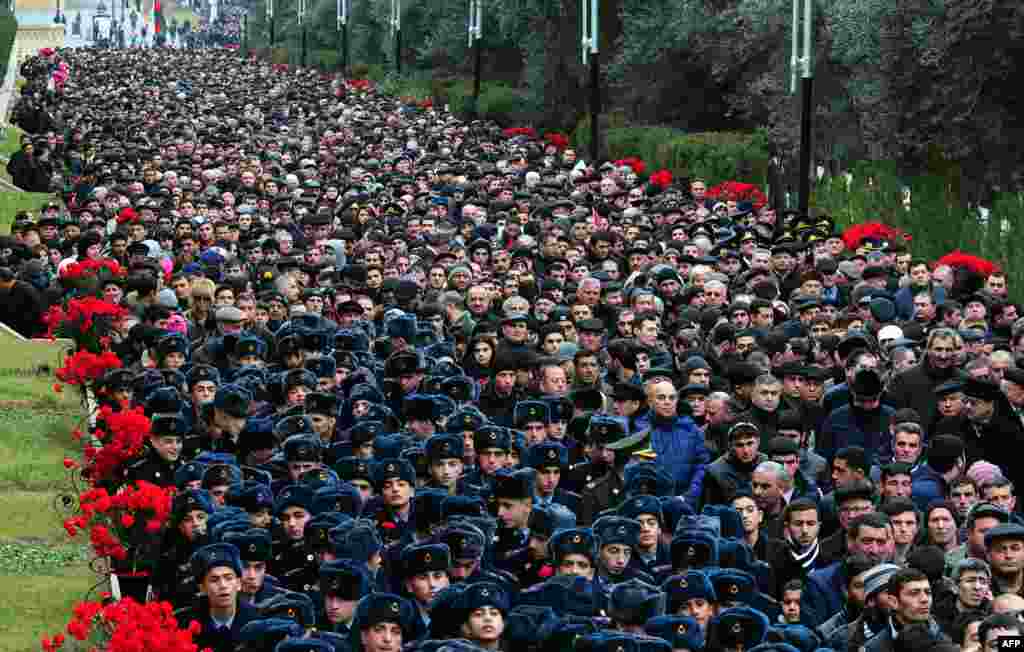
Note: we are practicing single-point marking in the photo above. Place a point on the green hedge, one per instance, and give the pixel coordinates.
(715, 156)
(8, 32)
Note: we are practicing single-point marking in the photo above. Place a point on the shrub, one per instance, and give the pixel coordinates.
(8, 31)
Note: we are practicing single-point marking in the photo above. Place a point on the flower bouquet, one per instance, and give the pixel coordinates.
(87, 321)
(119, 437)
(738, 191)
(125, 626)
(85, 276)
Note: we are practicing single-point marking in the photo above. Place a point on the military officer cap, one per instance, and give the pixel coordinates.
(292, 605)
(299, 644)
(681, 632)
(463, 542)
(527, 412)
(317, 532)
(648, 478)
(298, 378)
(322, 367)
(353, 468)
(174, 343)
(294, 495)
(253, 544)
(190, 472)
(560, 409)
(691, 585)
(392, 469)
(634, 602)
(605, 641)
(420, 407)
(466, 419)
(733, 585)
(255, 497)
(342, 498)
(462, 505)
(634, 506)
(404, 363)
(577, 541)
(604, 429)
(234, 400)
(220, 475)
(442, 447)
(547, 519)
(168, 425)
(234, 525)
(546, 454)
(345, 579)
(322, 403)
(359, 542)
(302, 448)
(214, 556)
(460, 388)
(491, 437)
(485, 594)
(694, 550)
(737, 627)
(292, 425)
(515, 485)
(616, 530)
(117, 380)
(365, 432)
(729, 518)
(319, 478)
(258, 635)
(379, 608)
(248, 345)
(202, 373)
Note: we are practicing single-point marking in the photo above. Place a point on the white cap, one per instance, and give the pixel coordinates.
(889, 332)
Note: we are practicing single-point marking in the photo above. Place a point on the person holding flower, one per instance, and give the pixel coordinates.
(175, 580)
(163, 455)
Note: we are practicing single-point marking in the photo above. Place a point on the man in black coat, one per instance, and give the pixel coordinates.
(21, 306)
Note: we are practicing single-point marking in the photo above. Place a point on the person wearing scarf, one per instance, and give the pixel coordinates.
(798, 552)
(873, 617)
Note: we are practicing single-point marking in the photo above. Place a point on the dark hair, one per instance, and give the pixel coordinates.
(902, 577)
(998, 621)
(854, 565)
(895, 468)
(898, 506)
(800, 505)
(856, 457)
(795, 584)
(963, 619)
(998, 482)
(873, 520)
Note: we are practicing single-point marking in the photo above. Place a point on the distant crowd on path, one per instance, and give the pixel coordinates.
(421, 383)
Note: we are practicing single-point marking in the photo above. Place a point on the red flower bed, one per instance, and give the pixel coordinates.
(126, 626)
(88, 268)
(109, 518)
(84, 367)
(738, 191)
(121, 435)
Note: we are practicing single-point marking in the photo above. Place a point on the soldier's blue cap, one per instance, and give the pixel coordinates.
(694, 550)
(264, 632)
(566, 594)
(446, 615)
(531, 412)
(225, 514)
(648, 478)
(302, 448)
(681, 632)
(462, 505)
(733, 585)
(485, 594)
(392, 468)
(353, 468)
(292, 425)
(292, 605)
(564, 632)
(255, 497)
(652, 644)
(247, 345)
(322, 403)
(466, 419)
(234, 400)
(464, 542)
(214, 556)
(321, 478)
(294, 495)
(778, 647)
(737, 626)
(605, 641)
(488, 437)
(382, 608)
(359, 542)
(345, 579)
(322, 367)
(168, 425)
(634, 602)
(546, 454)
(577, 541)
(317, 531)
(442, 447)
(295, 644)
(226, 527)
(387, 446)
(634, 506)
(253, 544)
(218, 475)
(729, 517)
(616, 530)
(190, 500)
(342, 498)
(419, 559)
(190, 472)
(799, 637)
(547, 519)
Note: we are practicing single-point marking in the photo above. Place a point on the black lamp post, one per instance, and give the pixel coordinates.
(806, 66)
(302, 26)
(270, 20)
(343, 36)
(590, 44)
(475, 32)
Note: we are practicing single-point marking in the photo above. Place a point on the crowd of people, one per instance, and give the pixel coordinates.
(421, 383)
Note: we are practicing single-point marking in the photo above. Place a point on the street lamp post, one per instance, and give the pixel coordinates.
(302, 26)
(806, 65)
(396, 26)
(591, 33)
(343, 36)
(245, 34)
(475, 32)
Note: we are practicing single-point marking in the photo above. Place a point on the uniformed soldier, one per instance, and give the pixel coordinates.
(265, 633)
(604, 491)
(616, 540)
(535, 564)
(550, 459)
(189, 476)
(423, 574)
(464, 422)
(302, 453)
(383, 621)
(217, 479)
(485, 606)
(652, 556)
(343, 582)
(395, 481)
(323, 368)
(322, 409)
(163, 456)
(574, 552)
(632, 603)
(513, 494)
(294, 509)
(220, 422)
(737, 629)
(445, 454)
(250, 350)
(357, 472)
(219, 611)
(174, 580)
(258, 502)
(533, 418)
(491, 445)
(737, 588)
(421, 415)
(691, 594)
(684, 634)
(296, 644)
(255, 551)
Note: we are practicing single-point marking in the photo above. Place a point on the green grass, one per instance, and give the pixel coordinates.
(11, 142)
(13, 201)
(43, 572)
